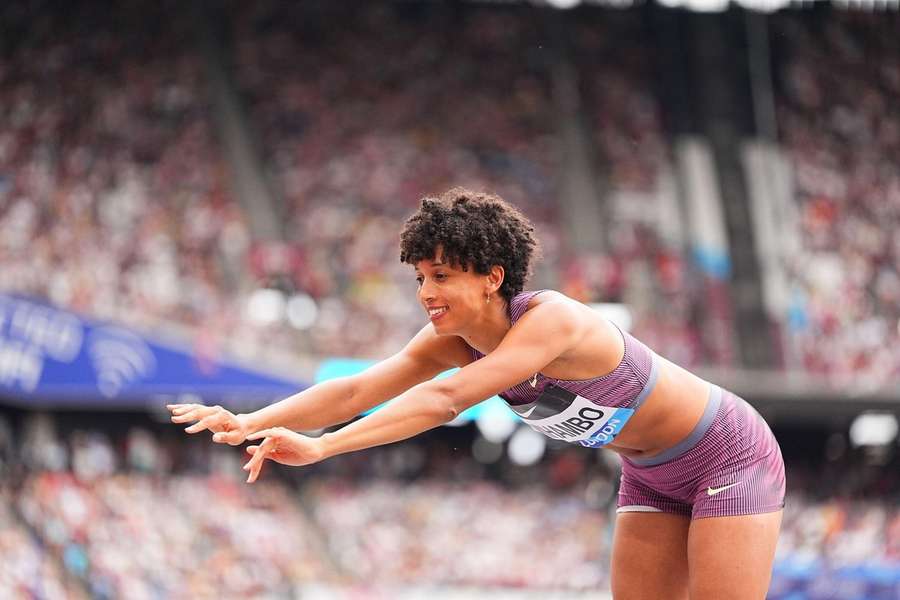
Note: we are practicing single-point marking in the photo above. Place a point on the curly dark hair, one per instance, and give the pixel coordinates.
(476, 229)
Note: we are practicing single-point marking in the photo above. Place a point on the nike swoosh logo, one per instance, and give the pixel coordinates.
(713, 491)
(527, 413)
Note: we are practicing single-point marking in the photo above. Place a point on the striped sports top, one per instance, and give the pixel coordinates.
(589, 412)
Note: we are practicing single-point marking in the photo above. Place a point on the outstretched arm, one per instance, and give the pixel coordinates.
(540, 336)
(337, 400)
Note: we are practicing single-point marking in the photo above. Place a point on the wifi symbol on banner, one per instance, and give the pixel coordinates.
(119, 358)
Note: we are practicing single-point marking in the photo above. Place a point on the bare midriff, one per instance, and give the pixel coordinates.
(667, 416)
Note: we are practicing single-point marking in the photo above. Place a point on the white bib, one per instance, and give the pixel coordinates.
(564, 415)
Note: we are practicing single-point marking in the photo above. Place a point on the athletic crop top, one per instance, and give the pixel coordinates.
(590, 412)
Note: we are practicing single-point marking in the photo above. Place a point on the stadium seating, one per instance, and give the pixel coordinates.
(839, 125)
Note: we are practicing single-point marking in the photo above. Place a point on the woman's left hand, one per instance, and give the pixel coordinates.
(283, 446)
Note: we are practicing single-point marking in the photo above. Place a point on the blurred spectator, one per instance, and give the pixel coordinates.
(639, 265)
(190, 536)
(114, 196)
(110, 165)
(839, 76)
(27, 569)
(454, 533)
(358, 124)
(112, 192)
(420, 513)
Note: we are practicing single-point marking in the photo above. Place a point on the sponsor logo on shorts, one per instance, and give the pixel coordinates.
(713, 491)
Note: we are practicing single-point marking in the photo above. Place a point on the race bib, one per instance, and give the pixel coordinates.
(564, 415)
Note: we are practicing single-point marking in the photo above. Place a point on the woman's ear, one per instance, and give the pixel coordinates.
(495, 278)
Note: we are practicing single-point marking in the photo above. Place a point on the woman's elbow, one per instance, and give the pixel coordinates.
(443, 403)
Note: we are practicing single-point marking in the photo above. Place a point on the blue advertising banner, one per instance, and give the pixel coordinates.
(53, 357)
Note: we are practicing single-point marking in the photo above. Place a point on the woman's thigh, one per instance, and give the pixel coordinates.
(731, 557)
(649, 556)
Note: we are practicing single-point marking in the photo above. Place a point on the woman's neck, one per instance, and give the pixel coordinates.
(487, 333)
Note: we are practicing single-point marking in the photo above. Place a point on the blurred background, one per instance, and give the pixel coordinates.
(201, 202)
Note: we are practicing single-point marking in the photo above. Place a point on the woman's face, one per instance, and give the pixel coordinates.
(452, 297)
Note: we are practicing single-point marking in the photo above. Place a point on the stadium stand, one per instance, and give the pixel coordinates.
(113, 196)
(353, 154)
(132, 509)
(840, 126)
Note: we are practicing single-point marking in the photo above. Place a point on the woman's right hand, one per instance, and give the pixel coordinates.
(227, 427)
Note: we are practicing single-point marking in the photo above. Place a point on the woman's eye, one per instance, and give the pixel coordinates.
(440, 276)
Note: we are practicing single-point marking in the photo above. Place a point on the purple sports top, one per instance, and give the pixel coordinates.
(589, 412)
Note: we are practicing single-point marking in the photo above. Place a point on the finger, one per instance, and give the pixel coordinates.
(228, 437)
(254, 475)
(178, 409)
(263, 434)
(258, 459)
(255, 470)
(255, 453)
(259, 454)
(194, 414)
(204, 423)
(186, 416)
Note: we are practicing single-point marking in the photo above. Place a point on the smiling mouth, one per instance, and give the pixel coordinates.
(436, 312)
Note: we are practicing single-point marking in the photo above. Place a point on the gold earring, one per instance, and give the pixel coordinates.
(488, 300)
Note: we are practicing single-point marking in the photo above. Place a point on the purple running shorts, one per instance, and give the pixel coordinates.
(729, 465)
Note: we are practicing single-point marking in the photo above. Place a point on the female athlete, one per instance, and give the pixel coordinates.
(702, 487)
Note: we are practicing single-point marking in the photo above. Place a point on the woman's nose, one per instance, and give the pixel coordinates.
(425, 291)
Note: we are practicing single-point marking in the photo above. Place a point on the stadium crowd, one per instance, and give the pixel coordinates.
(839, 124)
(471, 533)
(114, 198)
(358, 125)
(197, 535)
(111, 168)
(640, 265)
(113, 194)
(27, 569)
(97, 513)
(352, 154)
(121, 523)
(114, 202)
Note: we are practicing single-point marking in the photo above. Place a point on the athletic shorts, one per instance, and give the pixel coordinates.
(730, 464)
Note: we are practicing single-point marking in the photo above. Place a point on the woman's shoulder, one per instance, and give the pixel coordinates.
(525, 301)
(555, 308)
